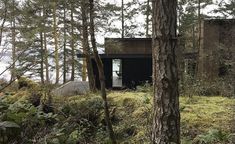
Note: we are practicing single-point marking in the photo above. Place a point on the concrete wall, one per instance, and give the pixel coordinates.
(217, 46)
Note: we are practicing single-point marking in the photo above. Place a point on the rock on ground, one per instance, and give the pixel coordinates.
(72, 88)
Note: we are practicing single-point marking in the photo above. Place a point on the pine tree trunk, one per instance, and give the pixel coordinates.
(42, 59)
(147, 18)
(45, 46)
(101, 74)
(84, 68)
(86, 48)
(72, 44)
(123, 31)
(13, 31)
(65, 54)
(57, 68)
(199, 35)
(46, 58)
(3, 22)
(166, 116)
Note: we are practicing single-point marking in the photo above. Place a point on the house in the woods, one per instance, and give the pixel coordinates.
(217, 49)
(128, 61)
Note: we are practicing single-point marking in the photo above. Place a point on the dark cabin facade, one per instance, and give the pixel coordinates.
(127, 62)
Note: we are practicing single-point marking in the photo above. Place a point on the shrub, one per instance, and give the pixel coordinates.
(190, 86)
(212, 136)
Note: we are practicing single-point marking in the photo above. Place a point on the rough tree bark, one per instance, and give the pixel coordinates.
(166, 116)
(85, 43)
(101, 74)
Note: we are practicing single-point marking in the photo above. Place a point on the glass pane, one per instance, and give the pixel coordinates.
(117, 73)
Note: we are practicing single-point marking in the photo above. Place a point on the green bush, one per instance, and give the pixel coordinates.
(192, 87)
(213, 136)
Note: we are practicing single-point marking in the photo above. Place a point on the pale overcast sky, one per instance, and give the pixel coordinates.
(4, 62)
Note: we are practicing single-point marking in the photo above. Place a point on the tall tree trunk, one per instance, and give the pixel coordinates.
(72, 44)
(41, 51)
(101, 74)
(84, 68)
(199, 35)
(147, 18)
(57, 67)
(45, 45)
(123, 29)
(46, 58)
(199, 24)
(65, 51)
(3, 21)
(166, 116)
(13, 32)
(86, 48)
(42, 58)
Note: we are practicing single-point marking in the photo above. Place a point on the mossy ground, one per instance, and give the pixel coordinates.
(131, 115)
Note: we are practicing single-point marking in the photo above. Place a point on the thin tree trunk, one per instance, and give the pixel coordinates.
(13, 25)
(194, 38)
(101, 74)
(72, 44)
(147, 18)
(3, 22)
(199, 24)
(65, 54)
(46, 58)
(42, 58)
(41, 52)
(123, 29)
(166, 116)
(86, 48)
(45, 46)
(199, 35)
(57, 68)
(84, 68)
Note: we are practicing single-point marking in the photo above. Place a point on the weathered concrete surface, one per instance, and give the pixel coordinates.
(72, 88)
(217, 47)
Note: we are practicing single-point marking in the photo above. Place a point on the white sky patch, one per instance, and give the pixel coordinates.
(138, 19)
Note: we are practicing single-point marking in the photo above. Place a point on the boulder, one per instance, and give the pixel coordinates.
(72, 88)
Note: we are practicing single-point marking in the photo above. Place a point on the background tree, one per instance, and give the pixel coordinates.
(85, 44)
(101, 74)
(166, 116)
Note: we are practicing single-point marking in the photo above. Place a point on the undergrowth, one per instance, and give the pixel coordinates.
(80, 119)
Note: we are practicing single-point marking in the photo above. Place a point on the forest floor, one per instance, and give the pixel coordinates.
(80, 118)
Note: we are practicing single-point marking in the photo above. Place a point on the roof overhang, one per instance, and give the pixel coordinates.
(118, 56)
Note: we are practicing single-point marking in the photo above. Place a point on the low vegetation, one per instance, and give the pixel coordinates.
(81, 119)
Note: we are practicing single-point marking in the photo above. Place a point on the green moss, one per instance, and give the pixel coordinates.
(208, 112)
(131, 115)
